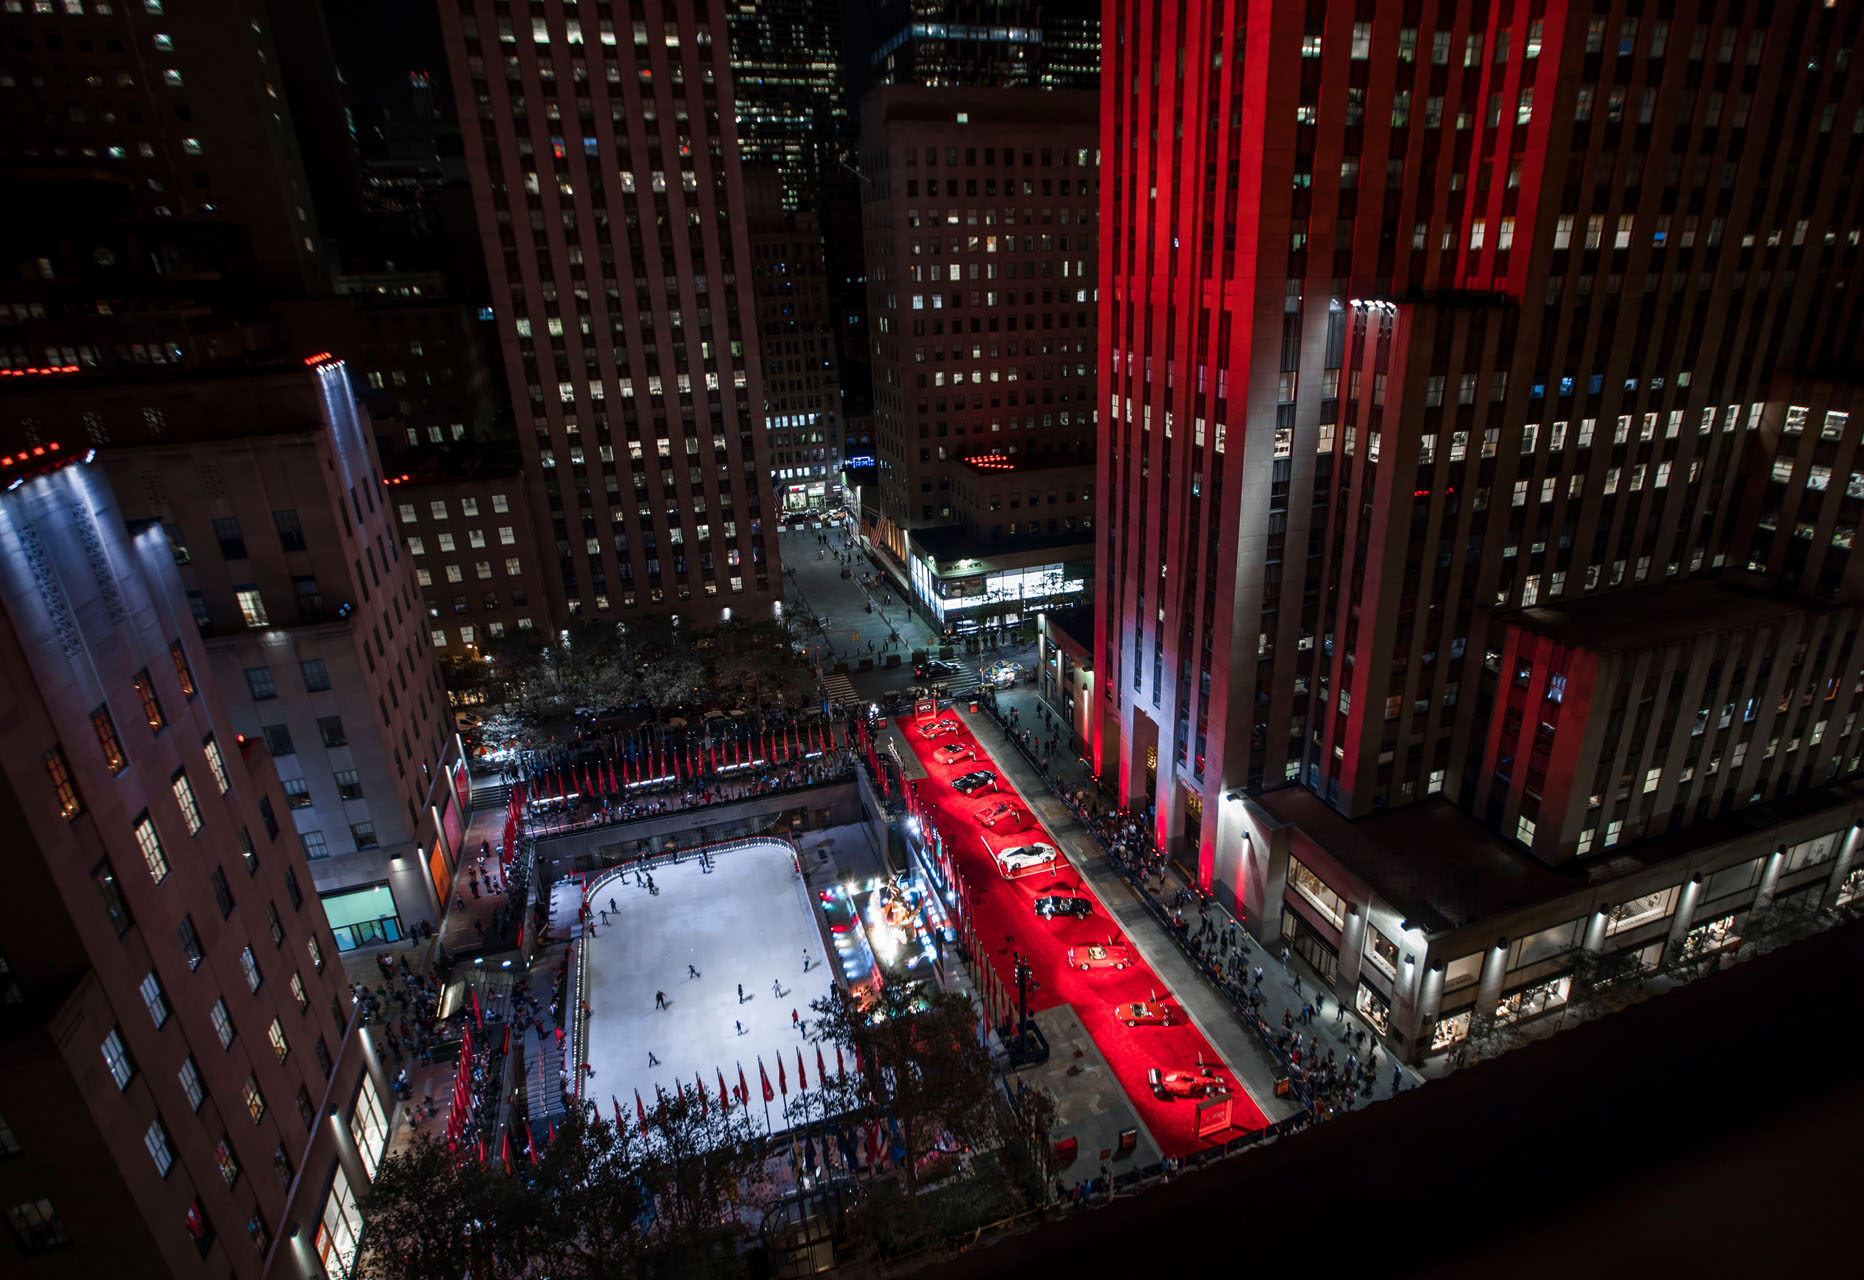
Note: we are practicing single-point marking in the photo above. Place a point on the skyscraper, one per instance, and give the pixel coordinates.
(981, 248)
(186, 1081)
(1439, 353)
(792, 107)
(604, 162)
(796, 335)
(1002, 44)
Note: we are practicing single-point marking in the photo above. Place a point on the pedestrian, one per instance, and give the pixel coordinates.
(1284, 956)
(740, 993)
(660, 999)
(1397, 1078)
(1258, 975)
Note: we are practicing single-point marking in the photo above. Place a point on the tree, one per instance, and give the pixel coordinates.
(923, 1068)
(672, 679)
(430, 1214)
(1605, 981)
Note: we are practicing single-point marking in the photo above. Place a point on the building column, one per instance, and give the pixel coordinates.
(1352, 954)
(1847, 854)
(1489, 985)
(1769, 881)
(1594, 939)
(1685, 913)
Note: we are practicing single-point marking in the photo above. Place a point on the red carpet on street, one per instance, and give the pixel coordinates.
(1004, 920)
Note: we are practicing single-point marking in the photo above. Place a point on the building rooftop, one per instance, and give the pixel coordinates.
(955, 542)
(1652, 616)
(1076, 622)
(1432, 861)
(454, 464)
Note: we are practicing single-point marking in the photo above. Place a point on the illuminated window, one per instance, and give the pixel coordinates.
(341, 1228)
(107, 740)
(368, 1126)
(223, 1023)
(116, 1058)
(184, 673)
(184, 798)
(276, 1034)
(215, 764)
(64, 788)
(255, 1101)
(151, 845)
(151, 705)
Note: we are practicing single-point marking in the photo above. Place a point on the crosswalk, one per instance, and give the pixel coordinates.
(838, 688)
(963, 685)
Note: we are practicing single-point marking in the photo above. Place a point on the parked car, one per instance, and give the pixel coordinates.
(973, 782)
(937, 669)
(1064, 906)
(1179, 1083)
(1096, 956)
(939, 728)
(1137, 1012)
(1003, 811)
(1025, 856)
(953, 752)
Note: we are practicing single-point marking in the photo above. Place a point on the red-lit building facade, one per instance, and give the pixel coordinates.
(603, 159)
(1444, 355)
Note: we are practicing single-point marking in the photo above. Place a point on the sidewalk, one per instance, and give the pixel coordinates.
(814, 588)
(1284, 988)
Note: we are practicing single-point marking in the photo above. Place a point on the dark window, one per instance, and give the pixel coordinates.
(349, 784)
(310, 600)
(36, 1226)
(332, 729)
(272, 923)
(222, 894)
(184, 673)
(247, 852)
(364, 834)
(177, 544)
(316, 675)
(115, 908)
(269, 818)
(190, 941)
(259, 683)
(291, 889)
(306, 1108)
(151, 705)
(64, 787)
(278, 739)
(322, 1051)
(107, 740)
(290, 532)
(197, 605)
(232, 542)
(281, 1161)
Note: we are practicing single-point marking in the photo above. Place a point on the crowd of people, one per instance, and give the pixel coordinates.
(585, 812)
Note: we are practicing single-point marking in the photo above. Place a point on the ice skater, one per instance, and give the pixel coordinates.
(794, 1020)
(652, 1061)
(738, 1025)
(805, 962)
(776, 987)
(691, 972)
(612, 907)
(660, 999)
(740, 993)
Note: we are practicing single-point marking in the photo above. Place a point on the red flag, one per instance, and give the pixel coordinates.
(611, 779)
(783, 1081)
(482, 1149)
(724, 1095)
(841, 1071)
(821, 1072)
(699, 1084)
(505, 1154)
(764, 1075)
(802, 1079)
(744, 1092)
(640, 1110)
(617, 1101)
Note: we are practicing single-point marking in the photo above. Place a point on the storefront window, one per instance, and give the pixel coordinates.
(360, 917)
(1714, 935)
(1810, 853)
(1542, 945)
(341, 1228)
(1451, 1030)
(1531, 1002)
(1315, 890)
(1316, 950)
(1851, 888)
(1652, 906)
(1374, 1007)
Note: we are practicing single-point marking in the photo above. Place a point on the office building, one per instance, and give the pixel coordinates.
(792, 108)
(1473, 526)
(604, 162)
(187, 1086)
(981, 207)
(1045, 44)
(796, 337)
(464, 515)
(269, 490)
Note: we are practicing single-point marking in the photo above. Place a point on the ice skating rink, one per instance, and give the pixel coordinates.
(748, 921)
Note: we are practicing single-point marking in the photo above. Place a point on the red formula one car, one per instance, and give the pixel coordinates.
(953, 752)
(1001, 811)
(1095, 956)
(1143, 1012)
(939, 728)
(1179, 1083)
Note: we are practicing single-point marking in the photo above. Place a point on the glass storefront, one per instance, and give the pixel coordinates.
(965, 604)
(1532, 1001)
(1374, 1007)
(360, 917)
(1313, 948)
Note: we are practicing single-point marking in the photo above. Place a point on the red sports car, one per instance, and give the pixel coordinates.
(939, 728)
(1136, 1012)
(953, 752)
(1001, 811)
(1179, 1083)
(1095, 956)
